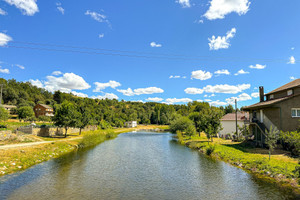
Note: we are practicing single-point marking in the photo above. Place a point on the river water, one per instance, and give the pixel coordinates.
(140, 165)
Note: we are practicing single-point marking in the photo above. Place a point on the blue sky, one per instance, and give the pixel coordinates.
(164, 51)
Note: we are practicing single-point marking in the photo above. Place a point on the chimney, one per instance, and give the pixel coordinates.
(261, 94)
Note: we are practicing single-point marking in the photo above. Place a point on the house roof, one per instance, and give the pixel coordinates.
(267, 103)
(8, 106)
(45, 106)
(294, 83)
(241, 116)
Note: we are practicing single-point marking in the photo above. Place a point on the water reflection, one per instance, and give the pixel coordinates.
(137, 166)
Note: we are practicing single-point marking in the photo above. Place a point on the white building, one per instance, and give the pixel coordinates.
(131, 124)
(228, 123)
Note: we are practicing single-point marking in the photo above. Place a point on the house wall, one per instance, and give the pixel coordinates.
(284, 93)
(272, 117)
(229, 127)
(41, 111)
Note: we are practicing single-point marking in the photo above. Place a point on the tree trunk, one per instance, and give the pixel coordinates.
(211, 139)
(66, 132)
(79, 131)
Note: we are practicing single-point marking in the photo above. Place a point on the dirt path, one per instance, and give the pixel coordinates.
(11, 146)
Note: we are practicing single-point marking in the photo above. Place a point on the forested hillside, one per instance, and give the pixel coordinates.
(101, 112)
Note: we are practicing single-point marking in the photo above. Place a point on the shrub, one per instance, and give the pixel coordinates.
(210, 149)
(291, 141)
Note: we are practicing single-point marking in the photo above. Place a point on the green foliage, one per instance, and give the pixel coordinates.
(210, 149)
(271, 140)
(291, 141)
(44, 119)
(26, 113)
(3, 114)
(104, 124)
(182, 124)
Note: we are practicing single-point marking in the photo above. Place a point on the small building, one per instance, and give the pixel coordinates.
(43, 110)
(228, 122)
(280, 109)
(131, 124)
(9, 108)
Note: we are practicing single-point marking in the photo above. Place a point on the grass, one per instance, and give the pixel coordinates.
(280, 168)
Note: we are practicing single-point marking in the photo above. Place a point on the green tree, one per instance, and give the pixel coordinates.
(57, 97)
(66, 116)
(25, 113)
(271, 139)
(196, 118)
(183, 124)
(3, 114)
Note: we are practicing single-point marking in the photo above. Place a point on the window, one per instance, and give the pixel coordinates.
(289, 92)
(295, 112)
(272, 96)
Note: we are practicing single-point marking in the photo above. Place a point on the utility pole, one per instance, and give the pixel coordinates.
(236, 124)
(1, 85)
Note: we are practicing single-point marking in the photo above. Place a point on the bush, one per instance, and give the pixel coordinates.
(210, 149)
(183, 124)
(291, 142)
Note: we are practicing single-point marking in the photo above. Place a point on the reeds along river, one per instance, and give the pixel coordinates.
(140, 165)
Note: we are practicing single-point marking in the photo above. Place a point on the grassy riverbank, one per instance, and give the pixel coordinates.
(20, 158)
(279, 169)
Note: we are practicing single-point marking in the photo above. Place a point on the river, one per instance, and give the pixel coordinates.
(140, 165)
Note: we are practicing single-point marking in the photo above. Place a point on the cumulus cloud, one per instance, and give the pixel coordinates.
(101, 35)
(154, 44)
(184, 3)
(4, 71)
(201, 75)
(60, 9)
(241, 72)
(155, 99)
(139, 91)
(175, 100)
(3, 12)
(36, 83)
(56, 73)
(79, 94)
(222, 71)
(292, 60)
(102, 86)
(221, 42)
(217, 103)
(241, 97)
(106, 96)
(98, 17)
(174, 76)
(219, 8)
(4, 39)
(293, 78)
(255, 95)
(226, 89)
(20, 66)
(257, 66)
(27, 7)
(66, 83)
(193, 90)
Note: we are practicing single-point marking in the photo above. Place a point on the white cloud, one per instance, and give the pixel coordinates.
(66, 83)
(138, 101)
(27, 7)
(3, 12)
(219, 8)
(222, 71)
(36, 83)
(4, 39)
(292, 60)
(98, 17)
(174, 76)
(4, 71)
(154, 44)
(207, 100)
(225, 88)
(106, 96)
(102, 86)
(241, 97)
(101, 35)
(60, 9)
(219, 42)
(56, 73)
(20, 66)
(218, 103)
(255, 95)
(241, 72)
(257, 66)
(155, 99)
(293, 78)
(193, 90)
(79, 94)
(139, 91)
(202, 75)
(184, 77)
(184, 3)
(293, 48)
(175, 100)
(200, 21)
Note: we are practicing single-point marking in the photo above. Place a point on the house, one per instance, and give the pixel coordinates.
(280, 109)
(9, 108)
(131, 124)
(43, 110)
(228, 122)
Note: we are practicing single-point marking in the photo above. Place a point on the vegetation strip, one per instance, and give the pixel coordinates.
(280, 169)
